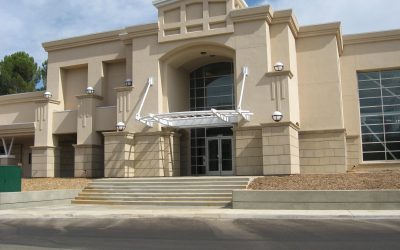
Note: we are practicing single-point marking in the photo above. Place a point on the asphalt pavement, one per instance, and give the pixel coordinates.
(181, 233)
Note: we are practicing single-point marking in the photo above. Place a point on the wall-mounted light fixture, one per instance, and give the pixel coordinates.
(90, 90)
(120, 126)
(47, 95)
(128, 82)
(279, 66)
(277, 116)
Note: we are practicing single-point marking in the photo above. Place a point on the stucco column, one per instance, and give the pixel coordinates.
(88, 150)
(45, 155)
(280, 148)
(118, 154)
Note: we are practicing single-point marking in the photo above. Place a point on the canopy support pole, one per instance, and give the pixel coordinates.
(149, 84)
(245, 72)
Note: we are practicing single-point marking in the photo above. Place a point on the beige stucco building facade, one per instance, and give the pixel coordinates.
(201, 97)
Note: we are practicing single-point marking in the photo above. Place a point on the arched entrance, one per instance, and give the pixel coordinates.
(198, 87)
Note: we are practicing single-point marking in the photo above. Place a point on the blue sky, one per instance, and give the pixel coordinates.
(25, 24)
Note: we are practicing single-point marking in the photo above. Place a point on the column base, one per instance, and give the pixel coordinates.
(89, 161)
(45, 161)
(280, 149)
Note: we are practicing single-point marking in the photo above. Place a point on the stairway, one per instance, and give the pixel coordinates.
(167, 191)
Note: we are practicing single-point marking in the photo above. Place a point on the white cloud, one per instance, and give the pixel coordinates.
(25, 24)
(356, 16)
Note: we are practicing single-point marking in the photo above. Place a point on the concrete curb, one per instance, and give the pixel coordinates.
(126, 212)
(317, 199)
(36, 198)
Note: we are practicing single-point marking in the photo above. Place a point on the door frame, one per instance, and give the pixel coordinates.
(219, 172)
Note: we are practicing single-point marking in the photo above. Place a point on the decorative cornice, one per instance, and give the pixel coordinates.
(138, 31)
(17, 128)
(286, 73)
(286, 17)
(322, 131)
(88, 96)
(162, 3)
(371, 37)
(251, 14)
(109, 36)
(281, 124)
(323, 30)
(25, 98)
(118, 134)
(123, 89)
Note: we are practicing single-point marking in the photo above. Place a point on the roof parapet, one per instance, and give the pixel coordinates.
(371, 37)
(72, 42)
(323, 30)
(286, 16)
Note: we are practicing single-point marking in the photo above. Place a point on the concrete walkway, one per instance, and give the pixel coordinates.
(96, 211)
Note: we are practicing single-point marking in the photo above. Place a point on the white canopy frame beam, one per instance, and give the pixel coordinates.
(194, 119)
(7, 150)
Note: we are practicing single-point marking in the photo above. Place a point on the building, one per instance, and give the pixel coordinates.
(195, 94)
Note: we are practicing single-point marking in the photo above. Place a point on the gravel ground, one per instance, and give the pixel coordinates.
(349, 181)
(37, 184)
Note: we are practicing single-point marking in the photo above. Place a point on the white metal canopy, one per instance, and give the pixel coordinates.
(194, 119)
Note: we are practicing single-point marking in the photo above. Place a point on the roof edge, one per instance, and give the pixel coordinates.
(370, 37)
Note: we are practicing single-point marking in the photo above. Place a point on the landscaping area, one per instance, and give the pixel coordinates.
(38, 184)
(349, 181)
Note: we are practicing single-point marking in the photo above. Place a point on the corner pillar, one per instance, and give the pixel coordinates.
(45, 154)
(280, 149)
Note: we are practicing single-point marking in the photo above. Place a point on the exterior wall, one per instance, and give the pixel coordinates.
(74, 83)
(323, 152)
(114, 76)
(140, 155)
(156, 154)
(89, 161)
(319, 83)
(353, 151)
(249, 151)
(364, 52)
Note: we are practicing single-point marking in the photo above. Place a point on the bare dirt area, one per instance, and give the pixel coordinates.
(349, 181)
(38, 184)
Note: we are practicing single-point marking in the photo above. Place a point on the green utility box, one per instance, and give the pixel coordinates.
(10, 179)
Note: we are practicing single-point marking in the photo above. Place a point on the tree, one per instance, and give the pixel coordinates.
(43, 74)
(18, 73)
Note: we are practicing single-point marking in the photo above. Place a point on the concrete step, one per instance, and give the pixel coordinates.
(151, 190)
(156, 199)
(202, 183)
(172, 179)
(177, 191)
(135, 187)
(154, 203)
(133, 195)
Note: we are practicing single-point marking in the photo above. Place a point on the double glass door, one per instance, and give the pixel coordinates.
(219, 155)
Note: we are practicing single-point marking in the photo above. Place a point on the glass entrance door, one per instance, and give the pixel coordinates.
(219, 156)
